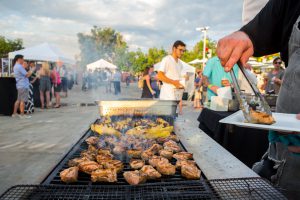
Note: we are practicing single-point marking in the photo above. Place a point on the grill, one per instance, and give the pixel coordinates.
(229, 189)
(84, 179)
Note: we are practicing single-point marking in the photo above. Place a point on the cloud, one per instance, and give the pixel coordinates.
(144, 23)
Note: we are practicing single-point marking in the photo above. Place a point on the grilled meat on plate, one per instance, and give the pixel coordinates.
(166, 168)
(154, 160)
(89, 166)
(136, 164)
(183, 156)
(135, 177)
(104, 175)
(69, 175)
(190, 171)
(166, 154)
(76, 161)
(150, 172)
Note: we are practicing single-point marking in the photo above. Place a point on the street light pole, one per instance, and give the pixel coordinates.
(204, 31)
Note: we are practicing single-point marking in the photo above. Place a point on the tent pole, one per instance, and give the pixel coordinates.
(9, 66)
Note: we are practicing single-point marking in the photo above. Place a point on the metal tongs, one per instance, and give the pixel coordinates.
(244, 106)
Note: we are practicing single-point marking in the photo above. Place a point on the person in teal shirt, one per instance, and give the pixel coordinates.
(213, 75)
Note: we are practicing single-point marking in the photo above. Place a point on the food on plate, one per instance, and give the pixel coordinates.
(92, 140)
(258, 117)
(146, 155)
(136, 163)
(172, 145)
(113, 164)
(135, 177)
(180, 163)
(103, 129)
(104, 175)
(89, 166)
(150, 172)
(76, 161)
(69, 175)
(166, 153)
(165, 168)
(134, 153)
(190, 171)
(183, 156)
(154, 160)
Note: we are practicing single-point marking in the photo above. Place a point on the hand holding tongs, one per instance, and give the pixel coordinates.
(244, 106)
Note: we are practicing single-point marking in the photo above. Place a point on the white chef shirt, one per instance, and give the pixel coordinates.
(172, 70)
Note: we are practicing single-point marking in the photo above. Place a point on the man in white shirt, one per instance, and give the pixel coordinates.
(170, 71)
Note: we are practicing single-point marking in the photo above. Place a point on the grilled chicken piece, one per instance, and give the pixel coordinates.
(89, 166)
(135, 177)
(180, 163)
(92, 149)
(88, 155)
(118, 149)
(104, 175)
(155, 148)
(69, 175)
(171, 145)
(166, 154)
(173, 137)
(76, 161)
(166, 168)
(154, 160)
(104, 151)
(116, 164)
(92, 140)
(150, 172)
(102, 157)
(136, 164)
(146, 155)
(134, 153)
(183, 156)
(190, 171)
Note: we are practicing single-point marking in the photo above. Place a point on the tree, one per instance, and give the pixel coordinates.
(103, 43)
(7, 46)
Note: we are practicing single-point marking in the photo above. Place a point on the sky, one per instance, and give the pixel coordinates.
(143, 23)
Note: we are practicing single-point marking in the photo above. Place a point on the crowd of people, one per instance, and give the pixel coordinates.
(45, 82)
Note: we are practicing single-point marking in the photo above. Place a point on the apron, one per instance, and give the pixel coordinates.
(287, 163)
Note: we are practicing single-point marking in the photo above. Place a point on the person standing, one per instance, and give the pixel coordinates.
(64, 79)
(147, 92)
(22, 84)
(29, 105)
(198, 86)
(280, 22)
(45, 84)
(275, 77)
(117, 81)
(170, 71)
(56, 81)
(155, 84)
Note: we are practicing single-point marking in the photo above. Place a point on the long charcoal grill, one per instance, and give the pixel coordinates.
(167, 188)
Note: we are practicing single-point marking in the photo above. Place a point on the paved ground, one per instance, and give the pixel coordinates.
(30, 148)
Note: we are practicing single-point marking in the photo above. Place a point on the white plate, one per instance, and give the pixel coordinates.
(284, 122)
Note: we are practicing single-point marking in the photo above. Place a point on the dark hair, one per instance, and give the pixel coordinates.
(178, 43)
(146, 71)
(30, 62)
(17, 57)
(277, 58)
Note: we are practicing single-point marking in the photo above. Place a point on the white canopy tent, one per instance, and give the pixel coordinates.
(187, 70)
(197, 61)
(42, 52)
(101, 64)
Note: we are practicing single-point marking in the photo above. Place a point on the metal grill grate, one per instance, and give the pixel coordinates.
(246, 188)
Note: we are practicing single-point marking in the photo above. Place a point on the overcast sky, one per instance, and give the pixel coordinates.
(143, 23)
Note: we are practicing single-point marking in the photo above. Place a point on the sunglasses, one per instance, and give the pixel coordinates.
(278, 63)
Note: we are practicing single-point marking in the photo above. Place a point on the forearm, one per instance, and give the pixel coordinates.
(149, 85)
(162, 77)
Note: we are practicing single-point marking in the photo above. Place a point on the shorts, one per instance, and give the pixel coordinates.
(45, 84)
(23, 94)
(64, 83)
(57, 88)
(197, 94)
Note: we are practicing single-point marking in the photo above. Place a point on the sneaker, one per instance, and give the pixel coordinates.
(14, 115)
(24, 116)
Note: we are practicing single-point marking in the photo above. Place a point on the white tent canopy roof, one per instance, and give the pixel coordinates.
(186, 67)
(197, 61)
(101, 64)
(42, 52)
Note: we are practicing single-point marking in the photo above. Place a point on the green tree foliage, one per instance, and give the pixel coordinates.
(7, 46)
